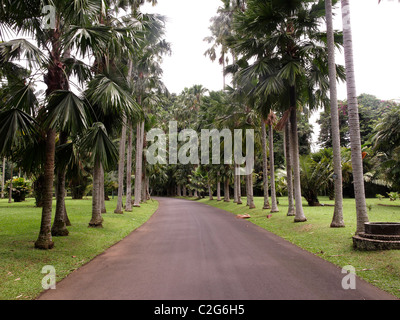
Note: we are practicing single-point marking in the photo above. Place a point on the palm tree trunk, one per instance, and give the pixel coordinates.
(289, 175)
(10, 186)
(337, 220)
(148, 196)
(128, 204)
(294, 141)
(247, 190)
(251, 196)
(210, 195)
(138, 171)
(45, 240)
(55, 80)
(97, 220)
(3, 177)
(121, 167)
(59, 227)
(265, 165)
(226, 190)
(102, 192)
(274, 205)
(239, 189)
(67, 221)
(235, 185)
(354, 122)
(218, 186)
(143, 165)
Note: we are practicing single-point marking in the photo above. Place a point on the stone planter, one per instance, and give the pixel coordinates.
(378, 236)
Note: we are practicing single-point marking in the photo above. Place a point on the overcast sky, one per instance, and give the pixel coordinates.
(376, 36)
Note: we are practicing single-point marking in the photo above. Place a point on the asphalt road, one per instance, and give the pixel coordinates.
(191, 251)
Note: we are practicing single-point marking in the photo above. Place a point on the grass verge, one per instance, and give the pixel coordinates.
(21, 264)
(381, 268)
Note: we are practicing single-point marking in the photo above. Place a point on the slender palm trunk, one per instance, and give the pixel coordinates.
(138, 171)
(274, 205)
(3, 177)
(67, 221)
(289, 175)
(121, 169)
(102, 192)
(142, 159)
(265, 165)
(239, 189)
(250, 191)
(226, 189)
(11, 184)
(337, 220)
(294, 141)
(143, 164)
(210, 195)
(235, 185)
(354, 121)
(128, 204)
(59, 227)
(45, 240)
(55, 80)
(148, 196)
(97, 220)
(218, 186)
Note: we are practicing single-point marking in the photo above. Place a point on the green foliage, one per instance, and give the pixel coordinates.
(393, 196)
(20, 188)
(380, 197)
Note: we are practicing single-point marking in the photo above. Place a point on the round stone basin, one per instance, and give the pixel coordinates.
(383, 228)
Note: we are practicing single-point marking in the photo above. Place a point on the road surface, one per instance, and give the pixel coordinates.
(191, 251)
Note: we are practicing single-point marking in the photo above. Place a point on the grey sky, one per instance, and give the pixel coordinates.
(375, 34)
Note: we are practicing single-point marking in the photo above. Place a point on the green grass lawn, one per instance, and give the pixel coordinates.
(381, 268)
(21, 264)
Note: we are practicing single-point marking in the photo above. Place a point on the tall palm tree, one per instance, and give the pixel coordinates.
(271, 121)
(288, 52)
(337, 220)
(354, 120)
(72, 20)
(121, 167)
(3, 177)
(103, 154)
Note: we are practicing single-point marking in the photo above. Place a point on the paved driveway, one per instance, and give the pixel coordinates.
(191, 251)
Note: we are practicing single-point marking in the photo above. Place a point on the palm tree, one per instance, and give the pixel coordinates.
(66, 112)
(271, 121)
(337, 220)
(265, 165)
(288, 53)
(128, 205)
(121, 167)
(354, 121)
(289, 173)
(72, 20)
(3, 177)
(145, 78)
(103, 154)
